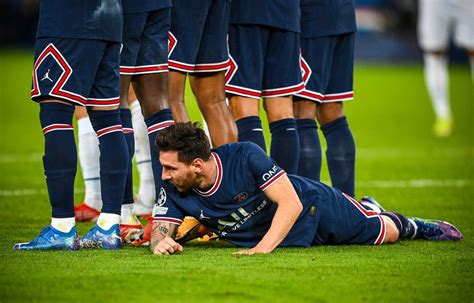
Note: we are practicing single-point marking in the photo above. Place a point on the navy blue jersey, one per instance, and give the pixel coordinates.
(327, 17)
(80, 19)
(283, 14)
(236, 207)
(143, 6)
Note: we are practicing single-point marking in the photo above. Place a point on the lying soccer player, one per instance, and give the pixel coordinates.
(247, 199)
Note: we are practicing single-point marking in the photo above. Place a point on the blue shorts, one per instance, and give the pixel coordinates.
(328, 66)
(145, 42)
(265, 62)
(343, 220)
(198, 36)
(84, 72)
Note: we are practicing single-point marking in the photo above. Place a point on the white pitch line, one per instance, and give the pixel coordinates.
(415, 183)
(29, 192)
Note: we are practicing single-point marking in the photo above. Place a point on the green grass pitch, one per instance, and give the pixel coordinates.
(398, 161)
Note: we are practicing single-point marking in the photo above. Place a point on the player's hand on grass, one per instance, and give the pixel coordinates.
(253, 251)
(167, 246)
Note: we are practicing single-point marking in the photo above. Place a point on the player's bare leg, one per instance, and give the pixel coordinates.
(340, 152)
(210, 95)
(437, 83)
(285, 141)
(176, 93)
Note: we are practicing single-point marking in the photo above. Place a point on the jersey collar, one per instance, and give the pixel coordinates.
(218, 180)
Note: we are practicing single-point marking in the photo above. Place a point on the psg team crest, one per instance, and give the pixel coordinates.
(161, 197)
(240, 197)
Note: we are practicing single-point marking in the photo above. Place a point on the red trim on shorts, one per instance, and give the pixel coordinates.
(242, 91)
(283, 91)
(145, 69)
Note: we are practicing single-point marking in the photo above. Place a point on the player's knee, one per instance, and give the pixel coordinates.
(329, 112)
(304, 109)
(391, 232)
(278, 109)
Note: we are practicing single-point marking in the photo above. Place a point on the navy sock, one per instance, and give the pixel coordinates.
(60, 156)
(250, 129)
(309, 165)
(285, 144)
(126, 117)
(406, 228)
(340, 154)
(155, 123)
(113, 158)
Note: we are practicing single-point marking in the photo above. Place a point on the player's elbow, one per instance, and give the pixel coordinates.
(297, 207)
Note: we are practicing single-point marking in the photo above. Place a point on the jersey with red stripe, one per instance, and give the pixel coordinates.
(236, 207)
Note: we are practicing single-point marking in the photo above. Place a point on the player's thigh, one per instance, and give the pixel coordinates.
(464, 24)
(213, 54)
(208, 87)
(303, 108)
(133, 26)
(282, 69)
(105, 91)
(341, 74)
(187, 25)
(433, 24)
(247, 47)
(316, 62)
(66, 69)
(153, 51)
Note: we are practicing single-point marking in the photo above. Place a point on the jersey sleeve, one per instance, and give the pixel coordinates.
(166, 209)
(263, 168)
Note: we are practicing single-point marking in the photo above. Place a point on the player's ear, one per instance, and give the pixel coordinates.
(197, 164)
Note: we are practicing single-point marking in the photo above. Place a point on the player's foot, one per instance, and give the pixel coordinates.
(443, 127)
(52, 239)
(436, 230)
(372, 204)
(85, 213)
(145, 239)
(131, 233)
(100, 238)
(140, 208)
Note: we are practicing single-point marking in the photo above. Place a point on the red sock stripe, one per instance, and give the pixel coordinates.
(128, 130)
(159, 126)
(108, 130)
(58, 126)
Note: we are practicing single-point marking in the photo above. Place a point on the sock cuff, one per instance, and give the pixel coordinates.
(306, 123)
(105, 121)
(56, 106)
(56, 116)
(159, 121)
(282, 125)
(334, 125)
(249, 123)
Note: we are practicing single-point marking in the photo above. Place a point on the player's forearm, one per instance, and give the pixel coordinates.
(161, 230)
(284, 219)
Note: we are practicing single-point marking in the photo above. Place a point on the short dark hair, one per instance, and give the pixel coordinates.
(188, 139)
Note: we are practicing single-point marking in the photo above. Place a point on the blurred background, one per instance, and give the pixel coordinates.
(387, 29)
